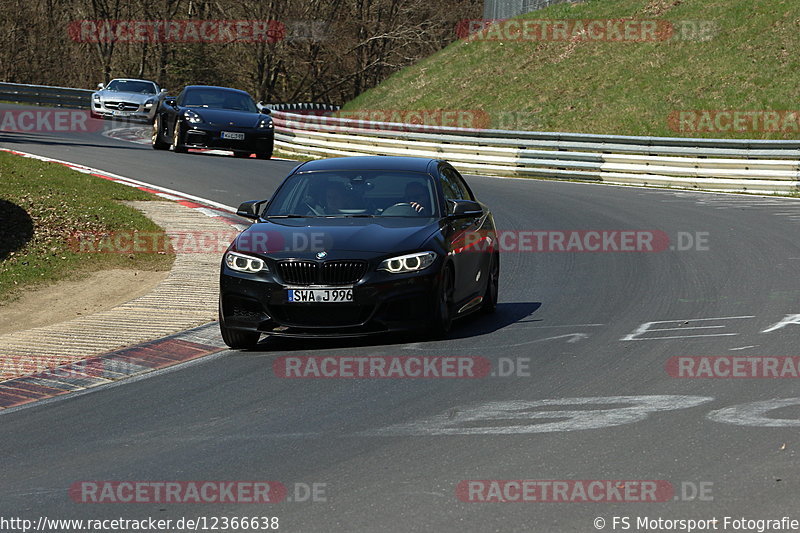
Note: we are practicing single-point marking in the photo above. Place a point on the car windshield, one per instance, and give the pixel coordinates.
(362, 193)
(131, 86)
(218, 99)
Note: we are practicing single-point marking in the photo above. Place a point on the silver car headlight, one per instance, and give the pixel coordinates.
(245, 263)
(96, 97)
(403, 264)
(192, 117)
(150, 103)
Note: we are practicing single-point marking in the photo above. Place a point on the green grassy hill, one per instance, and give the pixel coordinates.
(751, 62)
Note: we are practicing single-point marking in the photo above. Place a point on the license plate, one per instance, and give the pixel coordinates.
(233, 135)
(122, 113)
(320, 295)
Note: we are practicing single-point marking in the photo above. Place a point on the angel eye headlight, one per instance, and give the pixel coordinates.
(244, 263)
(408, 263)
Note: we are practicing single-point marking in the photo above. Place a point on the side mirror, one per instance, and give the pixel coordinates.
(250, 209)
(263, 108)
(463, 209)
(100, 85)
(162, 91)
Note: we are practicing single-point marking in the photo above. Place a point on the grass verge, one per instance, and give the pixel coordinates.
(42, 204)
(747, 63)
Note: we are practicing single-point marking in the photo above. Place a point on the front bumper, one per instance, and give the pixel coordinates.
(380, 304)
(210, 136)
(138, 113)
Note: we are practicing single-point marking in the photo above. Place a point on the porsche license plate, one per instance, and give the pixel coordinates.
(233, 135)
(320, 295)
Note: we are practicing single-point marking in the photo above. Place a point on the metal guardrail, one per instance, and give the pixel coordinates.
(303, 108)
(740, 165)
(45, 95)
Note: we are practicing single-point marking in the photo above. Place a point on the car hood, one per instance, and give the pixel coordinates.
(227, 117)
(126, 96)
(337, 237)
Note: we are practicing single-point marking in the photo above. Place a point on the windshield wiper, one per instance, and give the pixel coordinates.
(288, 216)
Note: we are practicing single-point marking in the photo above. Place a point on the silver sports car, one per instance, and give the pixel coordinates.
(127, 99)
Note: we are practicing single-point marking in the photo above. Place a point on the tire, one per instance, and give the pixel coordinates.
(176, 146)
(489, 304)
(241, 155)
(264, 155)
(155, 139)
(238, 339)
(443, 315)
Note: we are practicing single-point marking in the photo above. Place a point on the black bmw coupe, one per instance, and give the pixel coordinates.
(359, 245)
(213, 117)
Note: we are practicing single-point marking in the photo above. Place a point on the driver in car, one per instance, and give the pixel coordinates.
(334, 199)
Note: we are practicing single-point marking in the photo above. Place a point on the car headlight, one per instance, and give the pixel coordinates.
(192, 117)
(245, 263)
(149, 103)
(265, 123)
(408, 263)
(96, 97)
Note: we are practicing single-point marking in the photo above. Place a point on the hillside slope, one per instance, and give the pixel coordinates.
(748, 62)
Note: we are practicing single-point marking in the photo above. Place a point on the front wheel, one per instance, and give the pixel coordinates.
(443, 315)
(177, 147)
(264, 155)
(155, 140)
(238, 339)
(492, 285)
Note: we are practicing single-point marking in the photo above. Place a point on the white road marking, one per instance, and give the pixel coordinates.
(785, 321)
(646, 328)
(517, 417)
(755, 414)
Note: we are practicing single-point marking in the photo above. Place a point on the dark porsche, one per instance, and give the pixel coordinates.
(203, 116)
(359, 245)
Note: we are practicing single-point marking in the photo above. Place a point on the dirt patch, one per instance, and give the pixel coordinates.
(656, 8)
(69, 299)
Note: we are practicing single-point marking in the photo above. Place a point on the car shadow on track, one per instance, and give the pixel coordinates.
(474, 325)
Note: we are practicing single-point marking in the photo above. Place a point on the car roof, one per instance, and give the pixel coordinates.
(216, 87)
(371, 162)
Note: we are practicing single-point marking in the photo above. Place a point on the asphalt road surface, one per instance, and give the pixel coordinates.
(587, 337)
